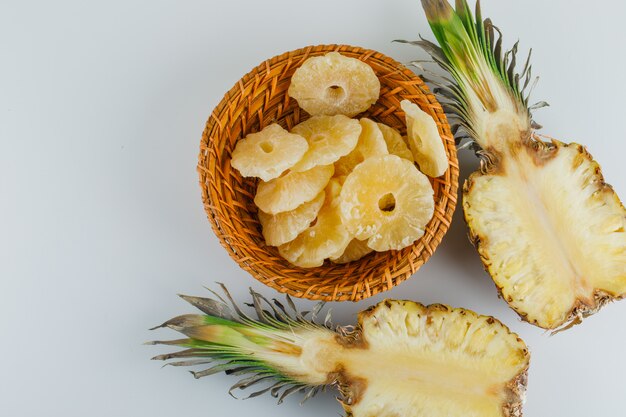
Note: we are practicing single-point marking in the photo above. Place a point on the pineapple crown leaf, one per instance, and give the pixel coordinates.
(227, 338)
(472, 53)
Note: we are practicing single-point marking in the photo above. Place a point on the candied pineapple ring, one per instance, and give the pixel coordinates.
(355, 250)
(333, 191)
(395, 143)
(329, 138)
(327, 238)
(387, 201)
(268, 153)
(371, 142)
(292, 190)
(281, 228)
(424, 140)
(334, 84)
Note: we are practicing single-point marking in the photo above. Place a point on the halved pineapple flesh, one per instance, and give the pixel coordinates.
(403, 359)
(434, 361)
(550, 232)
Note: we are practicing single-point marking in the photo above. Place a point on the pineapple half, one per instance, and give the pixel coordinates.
(547, 227)
(402, 359)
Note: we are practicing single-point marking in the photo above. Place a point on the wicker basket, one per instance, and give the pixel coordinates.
(259, 99)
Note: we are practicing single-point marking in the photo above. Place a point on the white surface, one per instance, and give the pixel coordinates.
(101, 109)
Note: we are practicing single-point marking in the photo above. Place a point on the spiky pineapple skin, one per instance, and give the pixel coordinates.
(541, 153)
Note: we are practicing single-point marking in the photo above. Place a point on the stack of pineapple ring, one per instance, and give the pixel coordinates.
(335, 187)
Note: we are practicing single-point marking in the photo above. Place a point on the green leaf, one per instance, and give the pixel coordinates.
(485, 77)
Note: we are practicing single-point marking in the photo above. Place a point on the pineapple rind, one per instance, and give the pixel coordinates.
(550, 232)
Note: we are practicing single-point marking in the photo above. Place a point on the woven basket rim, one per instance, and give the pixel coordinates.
(226, 195)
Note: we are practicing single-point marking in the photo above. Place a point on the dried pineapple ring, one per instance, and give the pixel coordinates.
(334, 84)
(395, 143)
(268, 153)
(424, 140)
(333, 190)
(371, 142)
(387, 201)
(355, 250)
(327, 238)
(340, 179)
(288, 192)
(329, 138)
(281, 228)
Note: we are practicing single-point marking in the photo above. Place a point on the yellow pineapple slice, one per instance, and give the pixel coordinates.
(333, 190)
(327, 238)
(334, 84)
(424, 140)
(371, 142)
(387, 201)
(396, 145)
(329, 138)
(268, 153)
(355, 250)
(291, 190)
(284, 227)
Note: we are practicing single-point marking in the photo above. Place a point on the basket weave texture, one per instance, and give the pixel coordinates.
(259, 99)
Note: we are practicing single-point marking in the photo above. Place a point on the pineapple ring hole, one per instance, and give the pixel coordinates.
(266, 146)
(387, 203)
(335, 93)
